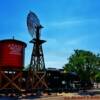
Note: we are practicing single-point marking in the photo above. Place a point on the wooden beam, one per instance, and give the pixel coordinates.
(11, 81)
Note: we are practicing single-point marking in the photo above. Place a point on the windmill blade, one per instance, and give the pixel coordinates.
(32, 23)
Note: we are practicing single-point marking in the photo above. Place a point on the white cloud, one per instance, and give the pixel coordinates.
(74, 42)
(64, 23)
(54, 64)
(71, 22)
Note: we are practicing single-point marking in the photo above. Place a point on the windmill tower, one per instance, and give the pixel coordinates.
(37, 65)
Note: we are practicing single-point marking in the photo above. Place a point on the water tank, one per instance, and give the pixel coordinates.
(12, 54)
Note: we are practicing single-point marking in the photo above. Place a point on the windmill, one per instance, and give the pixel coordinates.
(37, 64)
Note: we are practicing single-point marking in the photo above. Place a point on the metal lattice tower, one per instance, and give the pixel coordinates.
(37, 58)
(37, 72)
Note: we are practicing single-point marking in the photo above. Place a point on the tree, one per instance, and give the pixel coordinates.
(85, 64)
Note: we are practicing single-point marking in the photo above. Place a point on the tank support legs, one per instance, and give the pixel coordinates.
(39, 78)
(11, 80)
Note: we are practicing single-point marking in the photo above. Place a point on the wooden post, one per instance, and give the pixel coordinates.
(0, 79)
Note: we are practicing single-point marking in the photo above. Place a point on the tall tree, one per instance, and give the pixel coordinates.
(84, 63)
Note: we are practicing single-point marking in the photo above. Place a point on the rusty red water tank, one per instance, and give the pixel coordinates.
(12, 54)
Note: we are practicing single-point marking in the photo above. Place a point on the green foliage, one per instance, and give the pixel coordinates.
(84, 63)
(97, 77)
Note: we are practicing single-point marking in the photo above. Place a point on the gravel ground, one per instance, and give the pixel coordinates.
(76, 97)
(48, 98)
(81, 95)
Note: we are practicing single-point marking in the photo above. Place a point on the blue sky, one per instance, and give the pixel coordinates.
(68, 25)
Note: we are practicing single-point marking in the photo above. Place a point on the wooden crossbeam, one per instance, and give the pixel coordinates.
(41, 80)
(11, 81)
